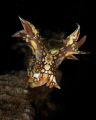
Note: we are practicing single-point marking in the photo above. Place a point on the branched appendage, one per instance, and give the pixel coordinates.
(43, 64)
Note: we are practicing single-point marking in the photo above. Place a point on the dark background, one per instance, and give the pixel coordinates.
(76, 96)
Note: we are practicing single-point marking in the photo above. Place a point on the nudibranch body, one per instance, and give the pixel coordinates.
(43, 63)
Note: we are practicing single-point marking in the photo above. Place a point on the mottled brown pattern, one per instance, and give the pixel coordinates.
(14, 101)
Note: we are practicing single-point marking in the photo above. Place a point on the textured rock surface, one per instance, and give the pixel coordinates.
(14, 103)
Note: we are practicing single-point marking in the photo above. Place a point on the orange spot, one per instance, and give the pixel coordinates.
(30, 79)
(42, 47)
(44, 77)
(62, 49)
(55, 57)
(54, 65)
(54, 73)
(44, 53)
(51, 86)
(37, 70)
(37, 65)
(48, 83)
(41, 65)
(52, 69)
(39, 41)
(38, 81)
(35, 81)
(60, 54)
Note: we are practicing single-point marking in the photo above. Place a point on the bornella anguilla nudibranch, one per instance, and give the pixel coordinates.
(43, 64)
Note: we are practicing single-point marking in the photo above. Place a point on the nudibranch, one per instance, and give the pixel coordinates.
(43, 63)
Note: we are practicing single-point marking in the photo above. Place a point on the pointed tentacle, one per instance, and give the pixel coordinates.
(72, 37)
(33, 38)
(72, 57)
(81, 41)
